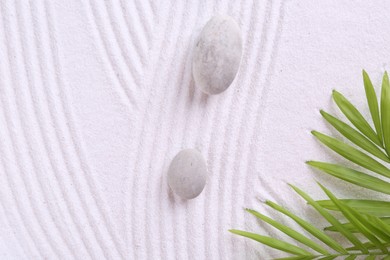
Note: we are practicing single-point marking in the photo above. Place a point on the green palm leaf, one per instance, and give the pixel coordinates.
(331, 219)
(378, 227)
(307, 226)
(369, 245)
(383, 229)
(297, 258)
(290, 232)
(357, 219)
(381, 224)
(272, 242)
(366, 223)
(355, 117)
(385, 111)
(352, 228)
(372, 207)
(354, 136)
(372, 101)
(352, 176)
(328, 257)
(369, 226)
(352, 154)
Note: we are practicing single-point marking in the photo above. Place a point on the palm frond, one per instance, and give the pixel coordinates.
(357, 220)
(274, 243)
(385, 111)
(290, 232)
(372, 101)
(372, 207)
(354, 136)
(308, 227)
(352, 228)
(376, 240)
(369, 245)
(355, 117)
(377, 142)
(353, 176)
(366, 223)
(331, 219)
(352, 154)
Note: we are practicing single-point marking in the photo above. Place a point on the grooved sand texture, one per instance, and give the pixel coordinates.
(96, 98)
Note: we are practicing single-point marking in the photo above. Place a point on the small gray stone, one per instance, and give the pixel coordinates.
(217, 55)
(187, 174)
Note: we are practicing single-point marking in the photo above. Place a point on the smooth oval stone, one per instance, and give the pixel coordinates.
(217, 55)
(187, 174)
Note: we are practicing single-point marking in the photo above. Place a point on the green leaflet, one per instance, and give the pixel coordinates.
(370, 219)
(290, 232)
(356, 218)
(373, 207)
(354, 136)
(332, 220)
(348, 257)
(369, 245)
(382, 225)
(307, 226)
(372, 101)
(297, 258)
(355, 177)
(352, 228)
(372, 229)
(385, 111)
(329, 257)
(352, 154)
(272, 242)
(355, 117)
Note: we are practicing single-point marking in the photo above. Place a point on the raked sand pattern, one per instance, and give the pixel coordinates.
(97, 97)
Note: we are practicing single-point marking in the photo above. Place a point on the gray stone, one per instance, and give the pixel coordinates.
(187, 174)
(217, 55)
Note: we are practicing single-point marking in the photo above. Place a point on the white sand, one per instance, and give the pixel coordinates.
(96, 99)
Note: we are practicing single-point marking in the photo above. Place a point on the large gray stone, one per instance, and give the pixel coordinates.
(217, 55)
(187, 174)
